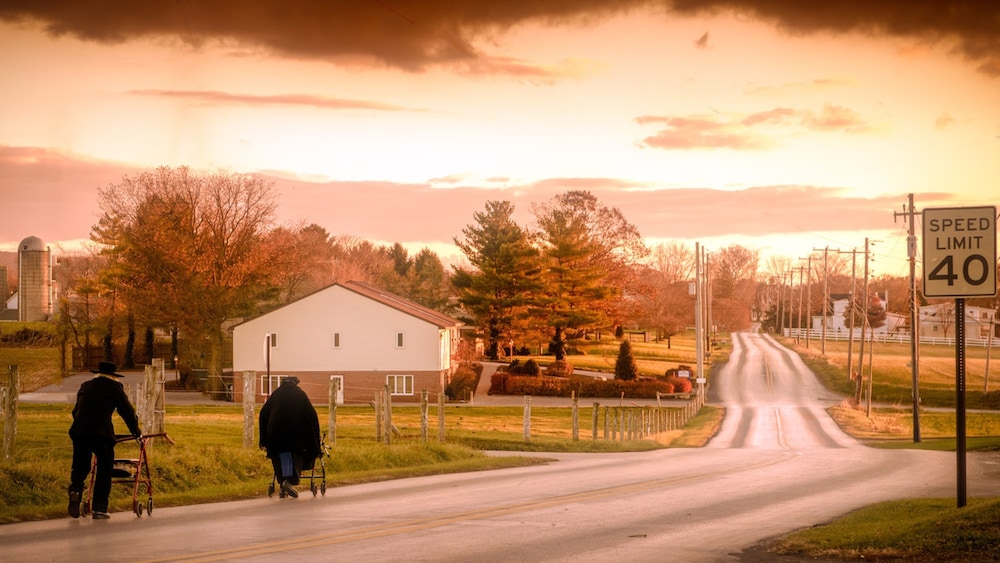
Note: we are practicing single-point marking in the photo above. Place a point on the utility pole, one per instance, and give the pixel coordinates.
(864, 326)
(791, 292)
(911, 250)
(826, 295)
(698, 318)
(799, 323)
(850, 328)
(809, 282)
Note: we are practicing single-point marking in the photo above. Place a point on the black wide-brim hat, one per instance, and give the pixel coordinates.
(107, 368)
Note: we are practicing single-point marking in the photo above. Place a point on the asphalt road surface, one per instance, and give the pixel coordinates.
(778, 464)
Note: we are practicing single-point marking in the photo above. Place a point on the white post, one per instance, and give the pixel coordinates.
(249, 404)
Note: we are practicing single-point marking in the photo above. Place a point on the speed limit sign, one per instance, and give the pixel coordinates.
(960, 251)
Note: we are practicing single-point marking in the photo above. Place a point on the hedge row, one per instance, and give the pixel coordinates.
(509, 384)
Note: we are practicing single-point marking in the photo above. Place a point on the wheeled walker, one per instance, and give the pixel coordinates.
(317, 475)
(128, 471)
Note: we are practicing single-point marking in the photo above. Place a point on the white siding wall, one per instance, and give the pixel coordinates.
(367, 337)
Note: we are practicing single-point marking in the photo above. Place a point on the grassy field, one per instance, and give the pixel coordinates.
(892, 381)
(207, 462)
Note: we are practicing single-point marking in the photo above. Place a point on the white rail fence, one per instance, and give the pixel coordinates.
(896, 337)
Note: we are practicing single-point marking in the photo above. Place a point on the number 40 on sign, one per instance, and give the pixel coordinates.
(960, 246)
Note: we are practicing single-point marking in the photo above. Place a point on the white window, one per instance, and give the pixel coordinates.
(399, 340)
(336, 340)
(275, 381)
(400, 384)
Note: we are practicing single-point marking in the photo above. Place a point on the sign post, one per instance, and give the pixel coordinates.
(960, 260)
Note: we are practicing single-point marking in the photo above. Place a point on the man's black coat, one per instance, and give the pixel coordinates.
(289, 423)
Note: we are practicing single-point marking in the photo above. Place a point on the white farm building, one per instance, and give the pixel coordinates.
(364, 336)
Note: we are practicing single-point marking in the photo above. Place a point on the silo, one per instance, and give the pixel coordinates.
(34, 281)
(4, 288)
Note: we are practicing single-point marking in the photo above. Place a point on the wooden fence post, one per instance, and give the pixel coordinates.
(249, 405)
(423, 415)
(527, 418)
(331, 419)
(594, 415)
(576, 418)
(387, 417)
(379, 401)
(441, 398)
(10, 412)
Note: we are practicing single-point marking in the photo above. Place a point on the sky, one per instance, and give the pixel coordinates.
(780, 125)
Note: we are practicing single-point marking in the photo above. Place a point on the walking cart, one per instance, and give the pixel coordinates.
(128, 471)
(317, 476)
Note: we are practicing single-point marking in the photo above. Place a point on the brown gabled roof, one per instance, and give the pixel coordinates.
(401, 304)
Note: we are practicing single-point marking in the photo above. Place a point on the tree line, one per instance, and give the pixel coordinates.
(188, 255)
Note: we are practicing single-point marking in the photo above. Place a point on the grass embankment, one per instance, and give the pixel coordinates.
(207, 462)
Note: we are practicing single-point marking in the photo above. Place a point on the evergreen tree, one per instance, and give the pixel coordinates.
(625, 367)
(503, 277)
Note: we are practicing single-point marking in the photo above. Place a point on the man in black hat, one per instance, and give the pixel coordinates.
(93, 433)
(289, 431)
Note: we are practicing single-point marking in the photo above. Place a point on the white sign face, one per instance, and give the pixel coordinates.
(960, 251)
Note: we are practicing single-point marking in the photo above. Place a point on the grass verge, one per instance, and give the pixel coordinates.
(207, 462)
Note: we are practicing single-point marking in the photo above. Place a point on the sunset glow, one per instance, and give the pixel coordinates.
(395, 121)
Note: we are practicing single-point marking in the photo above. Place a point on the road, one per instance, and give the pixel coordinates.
(778, 464)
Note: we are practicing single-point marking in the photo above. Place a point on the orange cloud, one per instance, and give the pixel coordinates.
(715, 132)
(210, 97)
(55, 197)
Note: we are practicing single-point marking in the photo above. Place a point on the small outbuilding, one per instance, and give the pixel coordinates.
(364, 337)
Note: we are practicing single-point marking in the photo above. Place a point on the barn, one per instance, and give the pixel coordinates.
(365, 337)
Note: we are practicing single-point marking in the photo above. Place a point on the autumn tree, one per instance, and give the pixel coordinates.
(502, 277)
(589, 254)
(662, 300)
(734, 284)
(190, 249)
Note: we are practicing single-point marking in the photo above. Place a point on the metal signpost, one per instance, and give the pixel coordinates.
(960, 260)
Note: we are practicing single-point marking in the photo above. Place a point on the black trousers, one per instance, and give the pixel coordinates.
(104, 450)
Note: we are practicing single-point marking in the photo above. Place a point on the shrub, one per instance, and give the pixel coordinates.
(625, 367)
(498, 383)
(560, 368)
(528, 368)
(464, 381)
(680, 384)
(991, 400)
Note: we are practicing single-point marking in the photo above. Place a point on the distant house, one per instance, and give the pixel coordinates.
(363, 336)
(938, 320)
(838, 322)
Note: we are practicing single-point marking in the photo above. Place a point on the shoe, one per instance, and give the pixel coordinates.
(74, 504)
(288, 489)
(101, 516)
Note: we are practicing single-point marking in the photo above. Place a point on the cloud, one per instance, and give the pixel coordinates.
(702, 132)
(831, 118)
(944, 121)
(413, 34)
(756, 131)
(973, 26)
(50, 195)
(55, 197)
(209, 97)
